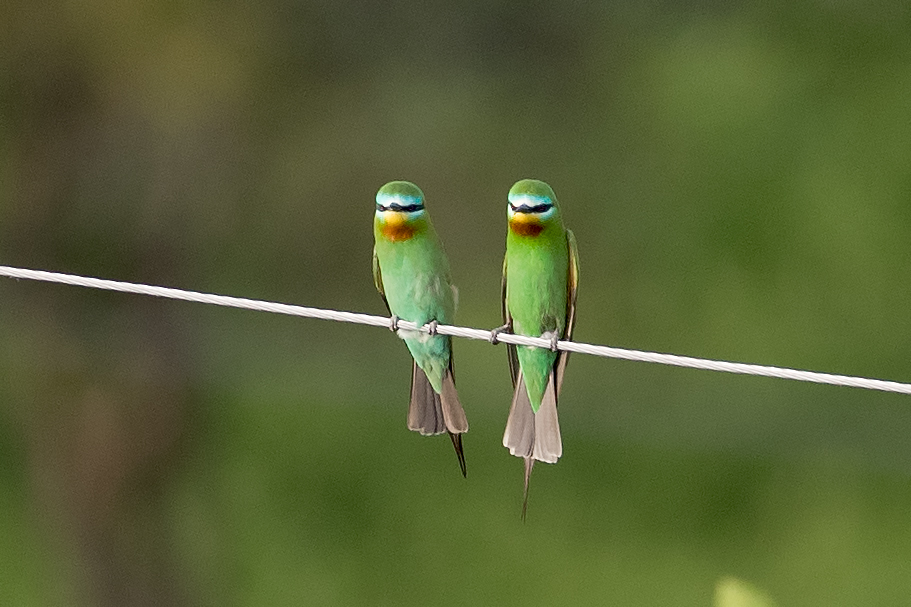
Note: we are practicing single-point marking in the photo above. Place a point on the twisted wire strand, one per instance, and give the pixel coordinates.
(456, 331)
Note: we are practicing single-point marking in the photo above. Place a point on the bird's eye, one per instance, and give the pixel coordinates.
(537, 209)
(402, 208)
(408, 208)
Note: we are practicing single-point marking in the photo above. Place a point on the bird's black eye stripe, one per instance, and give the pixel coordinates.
(538, 208)
(408, 208)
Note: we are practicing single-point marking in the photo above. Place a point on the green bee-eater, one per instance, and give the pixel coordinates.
(411, 272)
(540, 276)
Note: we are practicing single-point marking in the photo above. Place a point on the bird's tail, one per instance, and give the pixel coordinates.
(431, 413)
(533, 436)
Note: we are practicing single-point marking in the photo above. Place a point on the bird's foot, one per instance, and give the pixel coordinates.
(553, 341)
(394, 323)
(495, 334)
(432, 328)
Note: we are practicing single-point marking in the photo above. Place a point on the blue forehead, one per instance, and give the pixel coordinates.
(532, 200)
(385, 199)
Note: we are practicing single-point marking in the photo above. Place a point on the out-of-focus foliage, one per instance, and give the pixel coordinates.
(739, 181)
(731, 592)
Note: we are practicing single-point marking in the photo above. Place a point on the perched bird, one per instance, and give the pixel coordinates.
(411, 272)
(540, 276)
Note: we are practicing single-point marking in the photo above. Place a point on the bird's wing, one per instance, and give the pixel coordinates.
(572, 284)
(507, 320)
(378, 279)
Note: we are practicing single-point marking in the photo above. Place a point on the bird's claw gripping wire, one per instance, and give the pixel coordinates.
(432, 328)
(553, 341)
(394, 323)
(494, 338)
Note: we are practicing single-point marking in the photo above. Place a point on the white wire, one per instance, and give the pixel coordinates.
(508, 338)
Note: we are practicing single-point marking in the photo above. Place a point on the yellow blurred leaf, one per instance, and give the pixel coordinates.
(731, 592)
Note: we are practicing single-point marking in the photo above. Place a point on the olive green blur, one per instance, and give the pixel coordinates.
(739, 182)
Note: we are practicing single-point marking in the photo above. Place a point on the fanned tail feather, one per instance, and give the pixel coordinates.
(530, 434)
(430, 413)
(533, 436)
(548, 446)
(425, 411)
(519, 436)
(453, 413)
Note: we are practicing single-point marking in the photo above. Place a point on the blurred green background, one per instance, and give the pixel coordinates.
(739, 181)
